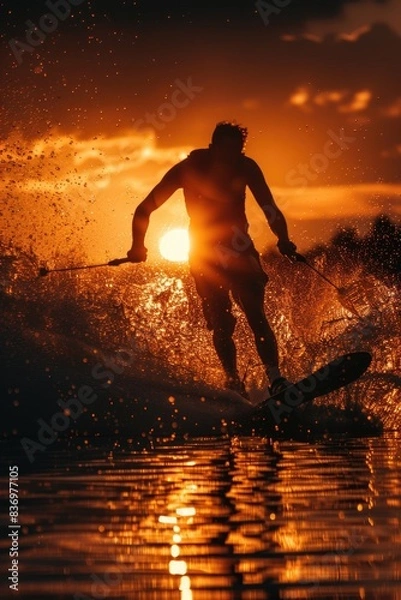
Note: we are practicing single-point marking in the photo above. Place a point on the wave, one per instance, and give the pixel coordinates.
(135, 336)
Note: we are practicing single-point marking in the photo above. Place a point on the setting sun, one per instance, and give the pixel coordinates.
(174, 245)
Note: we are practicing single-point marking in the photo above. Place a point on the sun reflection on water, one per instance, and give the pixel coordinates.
(178, 567)
(239, 519)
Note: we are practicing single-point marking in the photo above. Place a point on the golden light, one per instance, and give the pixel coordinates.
(174, 245)
(359, 102)
(300, 97)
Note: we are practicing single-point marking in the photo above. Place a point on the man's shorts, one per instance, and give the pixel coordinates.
(215, 278)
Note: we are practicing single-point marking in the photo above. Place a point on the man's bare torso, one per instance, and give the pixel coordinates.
(214, 197)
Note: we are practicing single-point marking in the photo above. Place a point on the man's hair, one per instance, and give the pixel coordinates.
(226, 129)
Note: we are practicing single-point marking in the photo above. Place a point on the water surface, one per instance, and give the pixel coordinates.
(213, 518)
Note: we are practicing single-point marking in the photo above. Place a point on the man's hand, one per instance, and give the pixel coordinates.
(286, 247)
(137, 254)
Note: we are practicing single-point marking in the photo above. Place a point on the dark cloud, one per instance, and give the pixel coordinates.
(322, 113)
(300, 11)
(141, 13)
(103, 68)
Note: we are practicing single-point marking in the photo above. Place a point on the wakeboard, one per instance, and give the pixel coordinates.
(276, 410)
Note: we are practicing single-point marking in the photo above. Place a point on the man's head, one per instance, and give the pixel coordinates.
(228, 141)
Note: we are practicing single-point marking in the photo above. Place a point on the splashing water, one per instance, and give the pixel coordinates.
(57, 328)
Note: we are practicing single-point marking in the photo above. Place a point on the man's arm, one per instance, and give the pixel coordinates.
(263, 196)
(140, 222)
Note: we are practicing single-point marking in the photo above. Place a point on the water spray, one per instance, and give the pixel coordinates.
(344, 296)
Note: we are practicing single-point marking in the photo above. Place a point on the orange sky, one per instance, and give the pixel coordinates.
(98, 111)
(73, 199)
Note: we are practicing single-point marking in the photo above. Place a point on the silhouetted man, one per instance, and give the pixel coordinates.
(223, 258)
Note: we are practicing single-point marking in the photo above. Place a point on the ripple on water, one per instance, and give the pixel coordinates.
(215, 518)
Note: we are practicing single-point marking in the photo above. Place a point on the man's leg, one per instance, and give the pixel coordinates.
(251, 299)
(216, 305)
(219, 318)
